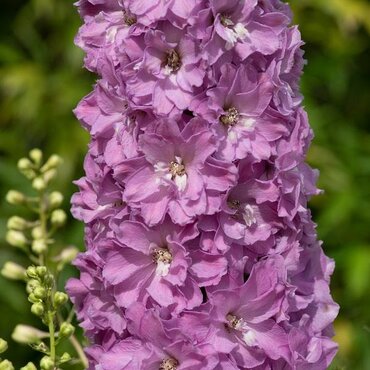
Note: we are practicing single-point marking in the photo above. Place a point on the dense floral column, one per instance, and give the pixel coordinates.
(200, 249)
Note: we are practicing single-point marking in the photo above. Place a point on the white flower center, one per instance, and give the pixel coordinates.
(230, 118)
(178, 174)
(234, 32)
(237, 323)
(172, 62)
(249, 338)
(163, 258)
(168, 364)
(248, 215)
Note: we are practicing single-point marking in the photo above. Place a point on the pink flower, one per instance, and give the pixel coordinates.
(177, 174)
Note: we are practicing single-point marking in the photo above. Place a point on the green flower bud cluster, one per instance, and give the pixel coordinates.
(35, 238)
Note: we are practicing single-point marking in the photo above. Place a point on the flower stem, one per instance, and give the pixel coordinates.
(52, 336)
(81, 354)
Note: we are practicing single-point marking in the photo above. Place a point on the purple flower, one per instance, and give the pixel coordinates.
(240, 26)
(176, 174)
(237, 107)
(243, 318)
(201, 252)
(151, 263)
(169, 72)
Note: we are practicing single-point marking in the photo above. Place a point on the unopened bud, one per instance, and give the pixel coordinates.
(24, 164)
(39, 246)
(47, 363)
(37, 309)
(36, 156)
(40, 292)
(16, 239)
(31, 272)
(58, 217)
(6, 365)
(13, 271)
(60, 298)
(26, 334)
(37, 232)
(32, 298)
(55, 199)
(29, 366)
(49, 175)
(39, 184)
(32, 284)
(3, 345)
(66, 330)
(41, 271)
(17, 223)
(15, 197)
(68, 254)
(53, 162)
(65, 357)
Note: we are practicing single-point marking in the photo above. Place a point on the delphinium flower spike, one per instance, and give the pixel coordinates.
(200, 248)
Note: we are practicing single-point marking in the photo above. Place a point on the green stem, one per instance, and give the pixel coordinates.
(52, 336)
(80, 352)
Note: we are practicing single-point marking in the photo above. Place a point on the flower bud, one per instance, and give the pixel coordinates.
(13, 271)
(32, 298)
(40, 292)
(60, 298)
(37, 232)
(26, 334)
(65, 357)
(6, 365)
(55, 199)
(68, 254)
(15, 197)
(66, 330)
(47, 363)
(31, 271)
(24, 164)
(39, 184)
(37, 309)
(53, 162)
(3, 345)
(32, 284)
(16, 239)
(17, 223)
(39, 246)
(58, 217)
(49, 175)
(41, 271)
(36, 156)
(29, 366)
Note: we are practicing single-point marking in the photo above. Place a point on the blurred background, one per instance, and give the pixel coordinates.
(41, 81)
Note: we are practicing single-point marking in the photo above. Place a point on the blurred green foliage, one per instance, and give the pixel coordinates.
(41, 81)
